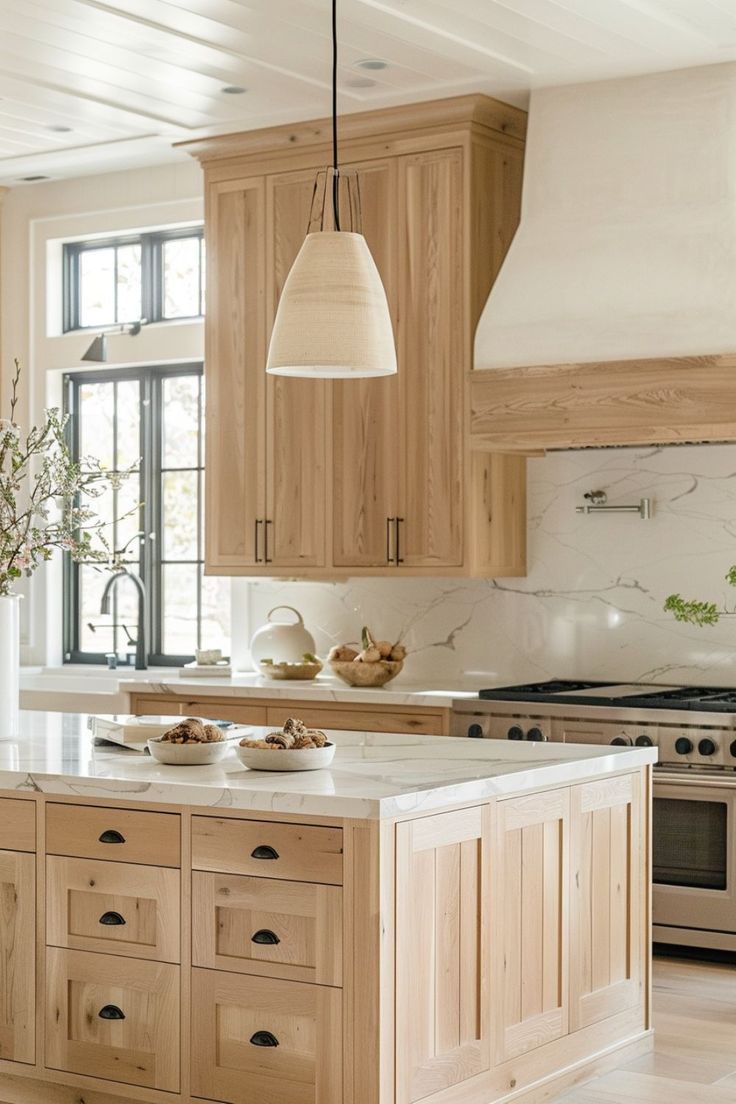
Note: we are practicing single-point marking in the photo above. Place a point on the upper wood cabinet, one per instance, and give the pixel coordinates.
(327, 478)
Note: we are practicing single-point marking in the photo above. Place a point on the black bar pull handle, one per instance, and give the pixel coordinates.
(257, 558)
(389, 522)
(263, 851)
(267, 558)
(112, 919)
(111, 835)
(399, 557)
(264, 1039)
(111, 1012)
(265, 937)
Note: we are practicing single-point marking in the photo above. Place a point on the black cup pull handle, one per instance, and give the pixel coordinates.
(265, 936)
(111, 1012)
(110, 835)
(263, 851)
(264, 1039)
(112, 919)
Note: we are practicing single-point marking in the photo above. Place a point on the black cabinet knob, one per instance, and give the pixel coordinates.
(475, 732)
(621, 741)
(515, 733)
(643, 741)
(110, 835)
(535, 734)
(263, 851)
(707, 747)
(265, 937)
(111, 1012)
(112, 919)
(683, 746)
(264, 1039)
(732, 749)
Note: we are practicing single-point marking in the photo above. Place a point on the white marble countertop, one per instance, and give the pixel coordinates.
(373, 775)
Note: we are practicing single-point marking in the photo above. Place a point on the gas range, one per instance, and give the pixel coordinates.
(694, 727)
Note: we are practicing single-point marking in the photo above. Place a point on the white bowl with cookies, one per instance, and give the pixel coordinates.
(293, 748)
(192, 742)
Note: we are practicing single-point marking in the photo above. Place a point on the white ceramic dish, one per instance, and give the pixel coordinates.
(286, 759)
(188, 755)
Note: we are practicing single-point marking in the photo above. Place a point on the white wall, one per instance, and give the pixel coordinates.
(592, 603)
(35, 219)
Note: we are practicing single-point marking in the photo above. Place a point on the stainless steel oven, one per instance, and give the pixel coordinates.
(694, 861)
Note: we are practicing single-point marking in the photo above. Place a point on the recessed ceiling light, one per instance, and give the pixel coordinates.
(58, 128)
(373, 64)
(233, 90)
(33, 179)
(360, 82)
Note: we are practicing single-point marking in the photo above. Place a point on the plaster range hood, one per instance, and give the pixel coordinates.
(626, 247)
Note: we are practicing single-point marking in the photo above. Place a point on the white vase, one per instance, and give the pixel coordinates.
(9, 667)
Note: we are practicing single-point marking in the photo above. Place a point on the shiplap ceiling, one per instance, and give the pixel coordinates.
(95, 85)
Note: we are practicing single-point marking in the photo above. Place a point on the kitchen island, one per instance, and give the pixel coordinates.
(461, 922)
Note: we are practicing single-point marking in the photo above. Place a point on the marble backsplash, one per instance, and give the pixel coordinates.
(591, 605)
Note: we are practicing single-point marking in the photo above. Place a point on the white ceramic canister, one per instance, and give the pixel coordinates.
(281, 641)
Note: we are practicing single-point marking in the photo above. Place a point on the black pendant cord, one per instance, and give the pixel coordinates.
(336, 171)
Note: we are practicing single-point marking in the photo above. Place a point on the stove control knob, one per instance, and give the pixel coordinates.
(683, 746)
(733, 749)
(621, 741)
(643, 741)
(707, 747)
(535, 734)
(515, 733)
(475, 731)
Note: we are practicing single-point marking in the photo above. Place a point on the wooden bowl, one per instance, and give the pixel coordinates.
(367, 674)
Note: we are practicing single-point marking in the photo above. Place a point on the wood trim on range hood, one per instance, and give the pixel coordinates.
(669, 400)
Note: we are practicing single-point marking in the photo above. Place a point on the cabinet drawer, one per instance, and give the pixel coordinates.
(114, 1018)
(290, 930)
(358, 720)
(293, 851)
(119, 835)
(259, 1041)
(120, 908)
(17, 824)
(240, 712)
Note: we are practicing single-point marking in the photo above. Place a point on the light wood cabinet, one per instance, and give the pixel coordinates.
(293, 851)
(17, 955)
(116, 835)
(442, 996)
(607, 914)
(321, 478)
(262, 1041)
(530, 935)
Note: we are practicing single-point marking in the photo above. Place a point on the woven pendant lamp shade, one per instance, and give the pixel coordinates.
(333, 320)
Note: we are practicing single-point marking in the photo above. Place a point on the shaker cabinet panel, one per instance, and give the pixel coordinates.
(297, 416)
(442, 910)
(235, 394)
(530, 928)
(17, 956)
(608, 886)
(433, 358)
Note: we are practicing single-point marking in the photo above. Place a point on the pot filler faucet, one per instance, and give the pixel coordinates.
(140, 644)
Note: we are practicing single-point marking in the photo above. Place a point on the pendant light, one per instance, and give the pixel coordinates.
(333, 320)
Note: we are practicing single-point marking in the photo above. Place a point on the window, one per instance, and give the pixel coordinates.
(154, 414)
(113, 281)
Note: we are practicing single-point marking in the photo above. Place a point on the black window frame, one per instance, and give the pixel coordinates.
(152, 378)
(152, 276)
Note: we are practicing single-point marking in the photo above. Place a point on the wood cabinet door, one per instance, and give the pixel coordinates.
(433, 358)
(297, 414)
(114, 1018)
(235, 367)
(262, 1041)
(529, 927)
(17, 956)
(608, 887)
(365, 412)
(442, 999)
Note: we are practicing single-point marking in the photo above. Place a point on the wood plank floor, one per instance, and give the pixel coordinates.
(694, 1056)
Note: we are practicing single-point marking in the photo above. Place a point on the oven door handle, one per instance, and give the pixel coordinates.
(693, 778)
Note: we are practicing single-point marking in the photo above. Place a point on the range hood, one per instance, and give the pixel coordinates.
(626, 247)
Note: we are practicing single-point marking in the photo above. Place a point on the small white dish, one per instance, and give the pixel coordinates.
(286, 759)
(188, 755)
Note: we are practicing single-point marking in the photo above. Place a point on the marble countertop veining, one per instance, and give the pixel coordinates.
(373, 775)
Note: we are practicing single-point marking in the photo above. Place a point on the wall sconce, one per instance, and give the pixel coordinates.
(97, 351)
